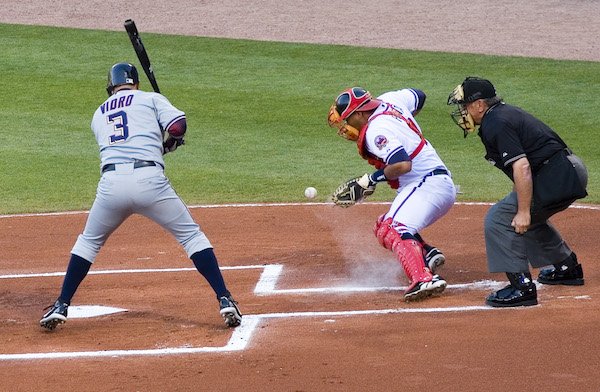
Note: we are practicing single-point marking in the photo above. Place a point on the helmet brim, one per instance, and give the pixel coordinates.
(371, 105)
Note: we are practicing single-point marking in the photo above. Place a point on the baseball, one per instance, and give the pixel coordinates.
(310, 192)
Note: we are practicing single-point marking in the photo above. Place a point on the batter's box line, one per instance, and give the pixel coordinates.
(239, 340)
(243, 333)
(271, 273)
(124, 271)
(267, 281)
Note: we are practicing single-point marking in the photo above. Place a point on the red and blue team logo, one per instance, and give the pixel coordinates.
(381, 141)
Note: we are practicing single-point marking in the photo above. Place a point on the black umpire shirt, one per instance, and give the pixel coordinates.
(509, 133)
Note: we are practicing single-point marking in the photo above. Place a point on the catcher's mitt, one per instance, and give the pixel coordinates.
(353, 191)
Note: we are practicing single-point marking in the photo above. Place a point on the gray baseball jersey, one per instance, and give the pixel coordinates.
(129, 130)
(129, 125)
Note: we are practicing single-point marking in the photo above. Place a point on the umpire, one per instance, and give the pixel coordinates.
(547, 178)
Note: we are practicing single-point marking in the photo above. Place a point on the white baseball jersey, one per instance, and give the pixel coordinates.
(128, 126)
(387, 135)
(423, 196)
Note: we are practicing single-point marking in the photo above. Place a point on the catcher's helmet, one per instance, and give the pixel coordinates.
(351, 100)
(121, 73)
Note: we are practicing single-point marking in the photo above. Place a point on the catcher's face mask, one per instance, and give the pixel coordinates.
(348, 102)
(461, 115)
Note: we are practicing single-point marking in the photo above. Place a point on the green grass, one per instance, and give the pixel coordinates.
(256, 113)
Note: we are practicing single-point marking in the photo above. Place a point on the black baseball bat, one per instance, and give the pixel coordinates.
(142, 55)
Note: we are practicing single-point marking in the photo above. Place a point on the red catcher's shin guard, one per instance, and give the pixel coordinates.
(410, 254)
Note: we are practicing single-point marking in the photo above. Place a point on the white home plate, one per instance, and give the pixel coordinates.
(85, 311)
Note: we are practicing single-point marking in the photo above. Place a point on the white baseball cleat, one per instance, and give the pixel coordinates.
(424, 290)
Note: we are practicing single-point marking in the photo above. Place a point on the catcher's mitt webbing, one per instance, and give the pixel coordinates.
(353, 191)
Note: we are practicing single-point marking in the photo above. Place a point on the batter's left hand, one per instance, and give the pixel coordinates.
(171, 144)
(521, 222)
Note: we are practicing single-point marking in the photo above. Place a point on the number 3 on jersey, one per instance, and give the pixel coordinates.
(119, 122)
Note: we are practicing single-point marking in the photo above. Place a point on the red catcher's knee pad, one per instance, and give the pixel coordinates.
(384, 232)
(377, 224)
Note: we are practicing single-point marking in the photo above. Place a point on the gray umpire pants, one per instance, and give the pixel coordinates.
(508, 251)
(540, 246)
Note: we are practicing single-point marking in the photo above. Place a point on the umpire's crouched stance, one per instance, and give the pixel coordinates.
(547, 178)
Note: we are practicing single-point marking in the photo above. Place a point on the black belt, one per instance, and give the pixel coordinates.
(136, 164)
(437, 172)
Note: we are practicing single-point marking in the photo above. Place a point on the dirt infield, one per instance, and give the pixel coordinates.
(331, 316)
(535, 28)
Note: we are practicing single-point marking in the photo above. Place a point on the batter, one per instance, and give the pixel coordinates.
(129, 128)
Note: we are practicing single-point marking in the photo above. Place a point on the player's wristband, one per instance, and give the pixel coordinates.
(378, 176)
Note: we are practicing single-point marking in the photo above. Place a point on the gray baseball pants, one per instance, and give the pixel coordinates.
(508, 251)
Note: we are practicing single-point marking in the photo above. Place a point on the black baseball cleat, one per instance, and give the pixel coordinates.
(56, 315)
(230, 311)
(569, 276)
(435, 259)
(520, 292)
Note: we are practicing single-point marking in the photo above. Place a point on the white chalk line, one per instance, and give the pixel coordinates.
(270, 275)
(267, 281)
(242, 334)
(239, 339)
(127, 271)
(248, 205)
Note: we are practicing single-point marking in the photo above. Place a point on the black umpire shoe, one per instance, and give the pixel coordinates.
(562, 274)
(520, 292)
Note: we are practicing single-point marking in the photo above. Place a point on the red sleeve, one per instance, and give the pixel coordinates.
(178, 128)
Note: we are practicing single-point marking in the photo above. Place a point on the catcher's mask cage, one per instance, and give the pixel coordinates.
(121, 73)
(349, 101)
(470, 90)
(461, 116)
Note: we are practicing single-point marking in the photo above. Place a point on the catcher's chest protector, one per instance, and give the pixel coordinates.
(389, 111)
(375, 160)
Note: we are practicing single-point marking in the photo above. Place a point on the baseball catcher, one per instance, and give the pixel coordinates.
(389, 138)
